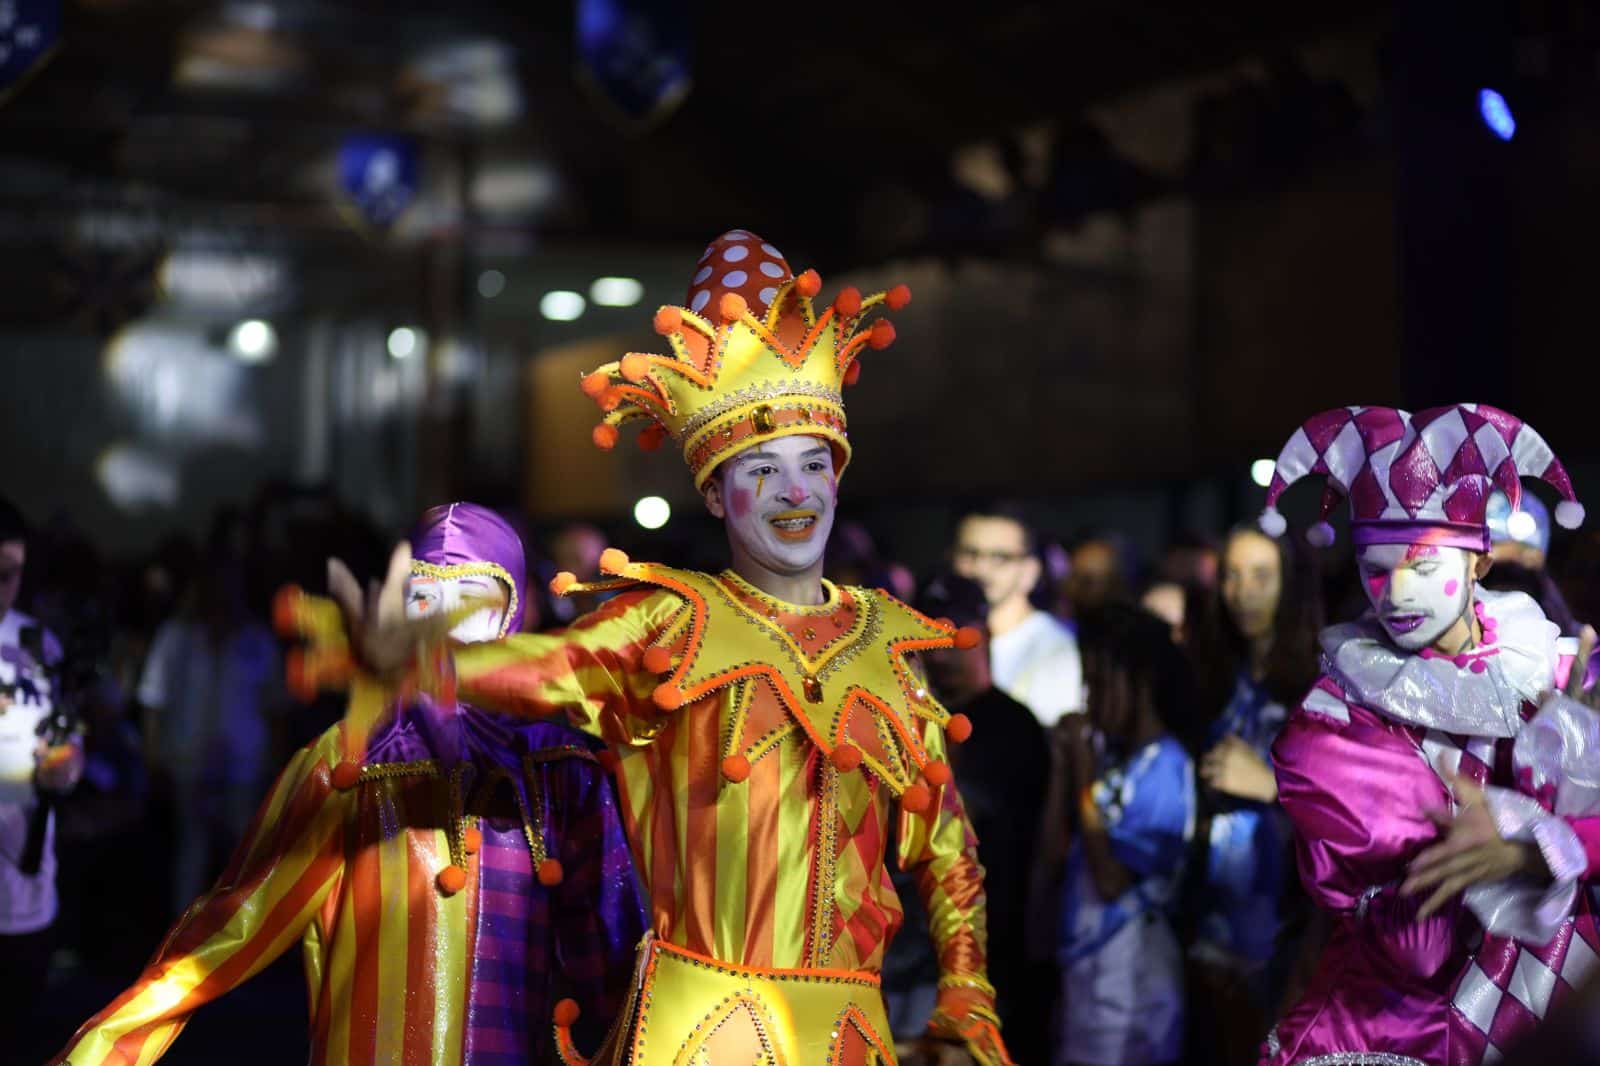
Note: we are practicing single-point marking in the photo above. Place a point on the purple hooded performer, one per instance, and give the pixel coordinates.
(448, 888)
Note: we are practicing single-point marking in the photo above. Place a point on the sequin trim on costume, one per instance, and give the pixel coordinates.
(455, 570)
(1343, 1058)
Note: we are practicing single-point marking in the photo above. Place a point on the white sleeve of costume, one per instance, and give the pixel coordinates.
(1556, 757)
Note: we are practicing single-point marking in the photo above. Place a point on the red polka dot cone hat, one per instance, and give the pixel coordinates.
(751, 360)
(1417, 477)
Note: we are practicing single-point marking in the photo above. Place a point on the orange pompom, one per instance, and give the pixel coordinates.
(657, 660)
(562, 582)
(897, 297)
(346, 775)
(635, 366)
(451, 879)
(845, 757)
(967, 638)
(853, 375)
(732, 306)
(613, 561)
(472, 840)
(604, 437)
(297, 678)
(881, 335)
(551, 873)
(668, 697)
(608, 760)
(652, 437)
(937, 773)
(594, 384)
(59, 755)
(567, 1013)
(668, 320)
(808, 284)
(958, 729)
(286, 610)
(736, 768)
(916, 798)
(610, 400)
(848, 302)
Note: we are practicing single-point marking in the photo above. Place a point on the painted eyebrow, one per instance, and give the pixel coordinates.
(809, 453)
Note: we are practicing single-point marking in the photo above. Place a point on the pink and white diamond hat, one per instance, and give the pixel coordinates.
(1412, 477)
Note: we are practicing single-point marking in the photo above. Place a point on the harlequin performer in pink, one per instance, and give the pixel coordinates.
(1441, 785)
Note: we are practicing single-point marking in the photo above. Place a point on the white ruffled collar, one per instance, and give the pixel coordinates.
(1436, 693)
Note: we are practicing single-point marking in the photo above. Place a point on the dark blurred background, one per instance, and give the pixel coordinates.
(275, 275)
(316, 244)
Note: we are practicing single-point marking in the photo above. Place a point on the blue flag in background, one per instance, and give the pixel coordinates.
(635, 54)
(379, 173)
(29, 31)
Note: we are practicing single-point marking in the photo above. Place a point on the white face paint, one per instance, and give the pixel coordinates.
(777, 501)
(427, 595)
(1419, 591)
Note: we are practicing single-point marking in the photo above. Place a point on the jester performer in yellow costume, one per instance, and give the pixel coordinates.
(764, 724)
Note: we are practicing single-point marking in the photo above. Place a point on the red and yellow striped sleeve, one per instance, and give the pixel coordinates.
(289, 861)
(941, 851)
(592, 671)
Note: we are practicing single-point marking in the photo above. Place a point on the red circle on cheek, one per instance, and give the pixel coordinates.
(739, 501)
(1451, 586)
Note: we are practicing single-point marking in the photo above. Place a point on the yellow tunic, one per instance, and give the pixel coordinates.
(762, 745)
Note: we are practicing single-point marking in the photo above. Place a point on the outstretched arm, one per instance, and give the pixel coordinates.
(592, 672)
(289, 861)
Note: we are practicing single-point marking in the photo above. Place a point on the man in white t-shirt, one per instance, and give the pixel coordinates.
(1034, 657)
(27, 766)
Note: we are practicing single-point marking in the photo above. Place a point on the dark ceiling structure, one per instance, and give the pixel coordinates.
(813, 116)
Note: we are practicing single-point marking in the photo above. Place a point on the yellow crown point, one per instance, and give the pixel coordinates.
(739, 374)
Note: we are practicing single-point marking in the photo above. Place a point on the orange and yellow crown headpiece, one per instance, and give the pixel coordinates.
(751, 360)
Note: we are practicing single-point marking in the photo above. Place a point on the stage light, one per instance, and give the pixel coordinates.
(491, 283)
(616, 292)
(224, 281)
(561, 305)
(136, 479)
(652, 512)
(1521, 525)
(1261, 471)
(253, 341)
(1496, 114)
(404, 341)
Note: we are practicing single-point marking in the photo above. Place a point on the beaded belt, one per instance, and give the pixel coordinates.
(691, 1010)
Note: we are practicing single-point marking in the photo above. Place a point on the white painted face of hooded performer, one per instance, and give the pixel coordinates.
(428, 595)
(1420, 592)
